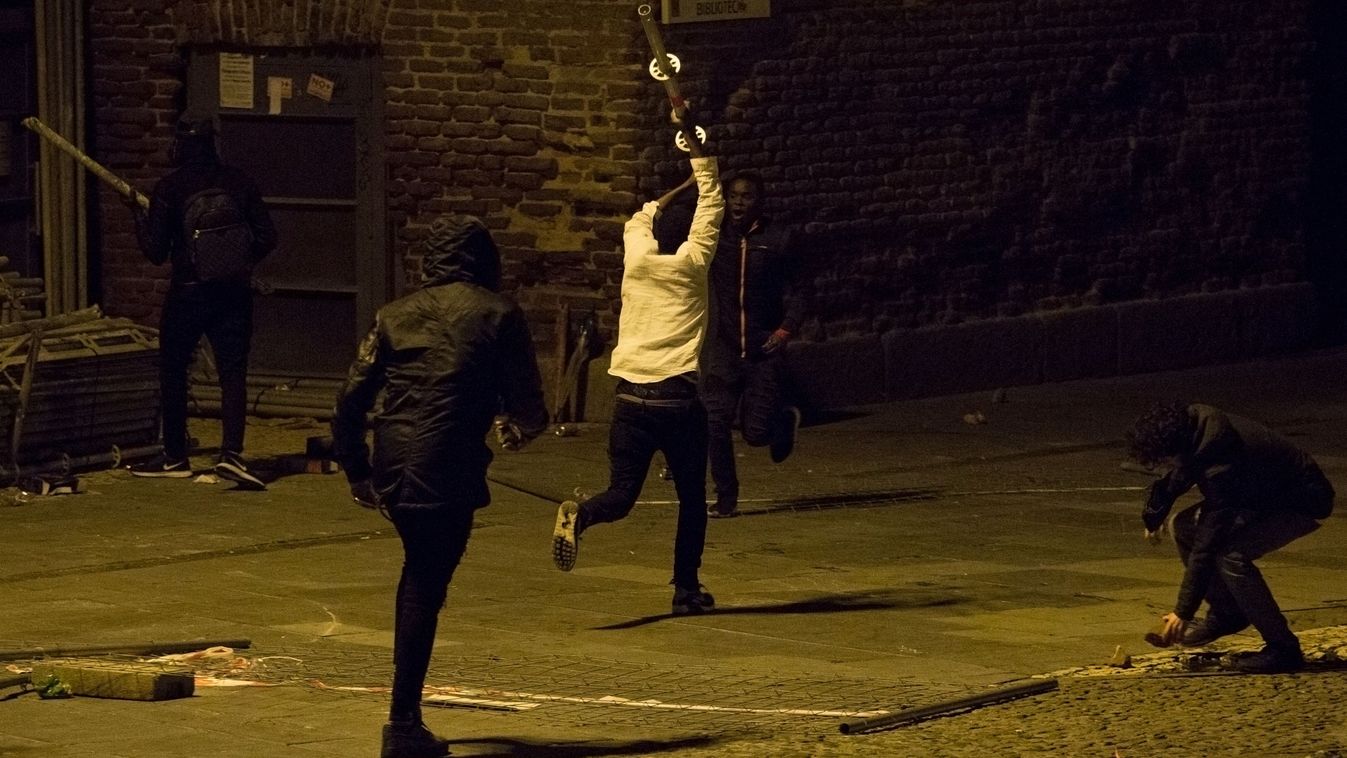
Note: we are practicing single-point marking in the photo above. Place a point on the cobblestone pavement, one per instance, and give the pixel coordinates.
(901, 558)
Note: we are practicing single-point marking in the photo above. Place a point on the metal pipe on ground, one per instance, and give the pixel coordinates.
(66, 464)
(14, 681)
(127, 648)
(906, 715)
(271, 410)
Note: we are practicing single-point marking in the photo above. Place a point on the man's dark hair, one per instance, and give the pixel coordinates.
(752, 177)
(1162, 431)
(672, 227)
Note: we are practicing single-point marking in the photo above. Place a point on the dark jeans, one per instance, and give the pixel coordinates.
(638, 430)
(1238, 595)
(433, 543)
(224, 314)
(754, 396)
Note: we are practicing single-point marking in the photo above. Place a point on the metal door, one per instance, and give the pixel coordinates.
(310, 136)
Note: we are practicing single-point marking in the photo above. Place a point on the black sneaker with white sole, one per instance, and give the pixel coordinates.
(689, 602)
(161, 466)
(565, 540)
(232, 467)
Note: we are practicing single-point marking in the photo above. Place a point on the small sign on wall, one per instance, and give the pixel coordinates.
(680, 11)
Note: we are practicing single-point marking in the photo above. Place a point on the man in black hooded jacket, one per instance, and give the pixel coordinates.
(221, 310)
(448, 358)
(1260, 493)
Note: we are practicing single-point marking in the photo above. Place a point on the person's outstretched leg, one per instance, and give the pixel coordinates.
(433, 544)
(631, 447)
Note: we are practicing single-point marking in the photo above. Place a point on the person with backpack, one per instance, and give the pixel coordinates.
(208, 221)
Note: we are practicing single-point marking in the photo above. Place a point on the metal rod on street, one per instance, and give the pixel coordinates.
(127, 648)
(935, 709)
(14, 681)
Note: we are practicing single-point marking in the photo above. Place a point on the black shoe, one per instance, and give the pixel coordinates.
(783, 442)
(232, 467)
(691, 602)
(724, 507)
(411, 740)
(1271, 659)
(1207, 630)
(565, 543)
(164, 467)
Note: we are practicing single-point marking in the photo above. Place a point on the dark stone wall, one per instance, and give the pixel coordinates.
(946, 162)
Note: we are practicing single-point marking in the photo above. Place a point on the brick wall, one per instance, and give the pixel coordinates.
(949, 161)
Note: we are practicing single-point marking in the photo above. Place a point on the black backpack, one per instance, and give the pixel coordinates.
(218, 237)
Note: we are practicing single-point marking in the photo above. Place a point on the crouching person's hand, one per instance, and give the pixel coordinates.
(364, 494)
(508, 435)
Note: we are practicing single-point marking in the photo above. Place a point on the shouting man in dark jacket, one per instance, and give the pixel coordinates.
(448, 357)
(197, 303)
(1260, 493)
(753, 313)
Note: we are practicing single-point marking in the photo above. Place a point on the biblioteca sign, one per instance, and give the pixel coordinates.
(679, 11)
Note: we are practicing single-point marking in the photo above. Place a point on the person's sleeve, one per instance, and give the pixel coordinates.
(1160, 497)
(705, 230)
(638, 235)
(1214, 525)
(354, 401)
(1219, 468)
(259, 219)
(794, 291)
(520, 381)
(154, 229)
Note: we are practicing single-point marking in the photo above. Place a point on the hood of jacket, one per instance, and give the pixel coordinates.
(460, 249)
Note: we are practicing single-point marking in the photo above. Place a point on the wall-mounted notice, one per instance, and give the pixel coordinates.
(321, 87)
(236, 81)
(278, 88)
(679, 11)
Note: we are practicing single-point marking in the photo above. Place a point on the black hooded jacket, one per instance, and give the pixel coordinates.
(752, 293)
(1244, 470)
(449, 358)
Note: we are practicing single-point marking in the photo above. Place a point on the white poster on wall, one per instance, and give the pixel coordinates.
(236, 81)
(679, 11)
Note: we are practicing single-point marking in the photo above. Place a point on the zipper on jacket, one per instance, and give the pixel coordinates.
(743, 286)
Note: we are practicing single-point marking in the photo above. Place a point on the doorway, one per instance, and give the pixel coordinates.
(308, 130)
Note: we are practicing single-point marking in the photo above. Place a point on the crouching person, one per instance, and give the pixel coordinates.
(448, 358)
(1260, 493)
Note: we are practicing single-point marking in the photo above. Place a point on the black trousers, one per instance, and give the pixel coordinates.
(433, 543)
(752, 394)
(224, 314)
(639, 429)
(1238, 594)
